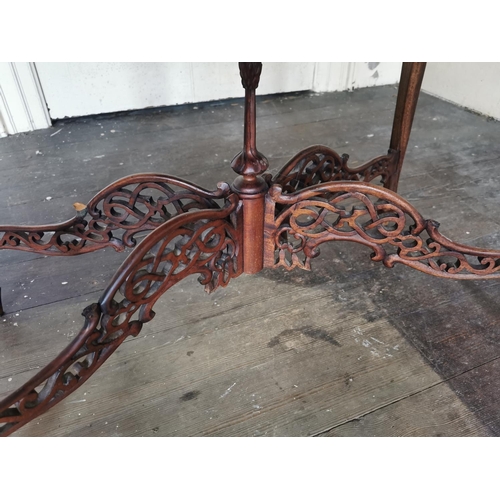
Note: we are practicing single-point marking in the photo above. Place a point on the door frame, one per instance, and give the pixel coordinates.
(22, 102)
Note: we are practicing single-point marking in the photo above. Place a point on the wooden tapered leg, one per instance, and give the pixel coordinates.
(412, 74)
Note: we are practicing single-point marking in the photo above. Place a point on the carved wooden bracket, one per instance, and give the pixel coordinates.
(296, 224)
(206, 242)
(133, 205)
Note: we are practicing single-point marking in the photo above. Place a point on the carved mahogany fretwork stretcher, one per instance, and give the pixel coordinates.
(257, 222)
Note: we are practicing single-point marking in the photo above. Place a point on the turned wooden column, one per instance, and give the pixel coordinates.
(250, 186)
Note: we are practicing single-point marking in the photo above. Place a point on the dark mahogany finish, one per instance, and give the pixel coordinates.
(257, 222)
(250, 185)
(133, 205)
(410, 82)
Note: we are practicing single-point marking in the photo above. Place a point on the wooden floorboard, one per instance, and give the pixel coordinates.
(350, 349)
(208, 366)
(435, 412)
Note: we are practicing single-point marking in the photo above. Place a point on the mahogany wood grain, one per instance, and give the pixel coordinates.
(250, 186)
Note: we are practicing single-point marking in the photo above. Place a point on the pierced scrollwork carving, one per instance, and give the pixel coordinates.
(134, 204)
(320, 164)
(372, 216)
(206, 242)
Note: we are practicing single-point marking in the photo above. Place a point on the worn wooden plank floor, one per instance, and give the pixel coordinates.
(350, 349)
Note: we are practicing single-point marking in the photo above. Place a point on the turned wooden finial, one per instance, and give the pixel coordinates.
(250, 74)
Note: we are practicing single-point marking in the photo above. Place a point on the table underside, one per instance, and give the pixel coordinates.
(258, 222)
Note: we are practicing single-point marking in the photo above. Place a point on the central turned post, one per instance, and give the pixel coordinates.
(249, 184)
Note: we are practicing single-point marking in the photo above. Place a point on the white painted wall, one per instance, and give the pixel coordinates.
(78, 89)
(30, 92)
(331, 77)
(472, 85)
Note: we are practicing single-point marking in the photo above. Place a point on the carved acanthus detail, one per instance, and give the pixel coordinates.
(250, 74)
